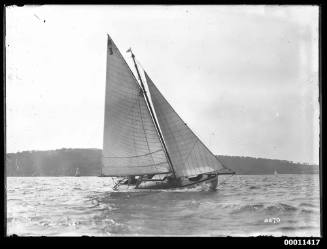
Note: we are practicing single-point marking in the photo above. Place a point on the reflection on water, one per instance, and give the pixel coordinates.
(242, 206)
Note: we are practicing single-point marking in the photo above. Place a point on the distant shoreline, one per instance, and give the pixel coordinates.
(64, 162)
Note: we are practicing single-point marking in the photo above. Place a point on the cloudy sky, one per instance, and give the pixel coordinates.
(244, 78)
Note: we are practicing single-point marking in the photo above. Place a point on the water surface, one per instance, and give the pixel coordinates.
(242, 206)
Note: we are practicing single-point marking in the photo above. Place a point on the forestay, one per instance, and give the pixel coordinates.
(188, 154)
(131, 144)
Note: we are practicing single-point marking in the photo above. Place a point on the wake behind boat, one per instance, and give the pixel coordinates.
(146, 144)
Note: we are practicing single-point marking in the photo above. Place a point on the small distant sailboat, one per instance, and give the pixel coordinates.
(275, 173)
(77, 172)
(145, 148)
(17, 165)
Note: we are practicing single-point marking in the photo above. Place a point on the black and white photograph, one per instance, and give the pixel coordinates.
(162, 120)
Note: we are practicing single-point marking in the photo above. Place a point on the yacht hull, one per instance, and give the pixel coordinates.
(211, 181)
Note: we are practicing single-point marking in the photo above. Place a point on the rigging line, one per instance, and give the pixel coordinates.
(221, 162)
(134, 139)
(118, 183)
(153, 116)
(224, 165)
(201, 157)
(225, 180)
(145, 134)
(139, 63)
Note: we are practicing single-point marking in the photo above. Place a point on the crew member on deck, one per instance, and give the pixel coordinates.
(131, 180)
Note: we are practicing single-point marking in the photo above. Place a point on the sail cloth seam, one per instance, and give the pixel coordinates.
(143, 166)
(133, 156)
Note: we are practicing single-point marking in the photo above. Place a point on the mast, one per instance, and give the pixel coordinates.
(151, 111)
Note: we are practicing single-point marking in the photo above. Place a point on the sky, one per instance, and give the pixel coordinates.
(244, 78)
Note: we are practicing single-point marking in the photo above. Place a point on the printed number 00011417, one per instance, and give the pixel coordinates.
(300, 242)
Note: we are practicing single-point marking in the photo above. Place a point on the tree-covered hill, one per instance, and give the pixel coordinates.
(262, 166)
(64, 162)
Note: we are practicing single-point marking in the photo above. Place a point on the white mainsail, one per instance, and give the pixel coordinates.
(131, 145)
(188, 154)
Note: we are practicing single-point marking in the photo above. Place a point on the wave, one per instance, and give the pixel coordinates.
(248, 208)
(89, 206)
(287, 228)
(306, 204)
(275, 208)
(286, 207)
(254, 187)
(294, 228)
(307, 211)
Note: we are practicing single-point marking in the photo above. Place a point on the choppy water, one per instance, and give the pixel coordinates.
(74, 206)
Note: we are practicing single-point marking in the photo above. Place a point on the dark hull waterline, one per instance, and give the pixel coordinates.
(211, 181)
